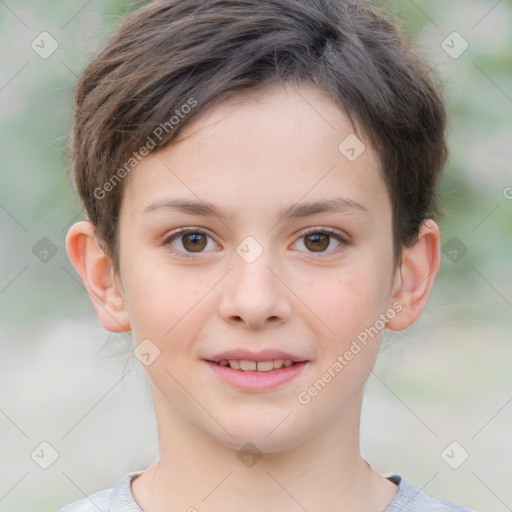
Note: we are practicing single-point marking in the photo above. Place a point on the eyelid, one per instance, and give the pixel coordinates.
(174, 235)
(339, 236)
(326, 230)
(189, 229)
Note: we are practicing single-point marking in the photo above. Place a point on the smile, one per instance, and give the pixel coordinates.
(256, 376)
(260, 366)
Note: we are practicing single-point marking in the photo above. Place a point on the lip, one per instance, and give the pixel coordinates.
(253, 380)
(263, 355)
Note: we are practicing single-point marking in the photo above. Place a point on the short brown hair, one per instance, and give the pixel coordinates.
(172, 53)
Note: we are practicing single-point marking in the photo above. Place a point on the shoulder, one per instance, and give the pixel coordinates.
(413, 499)
(116, 499)
(98, 501)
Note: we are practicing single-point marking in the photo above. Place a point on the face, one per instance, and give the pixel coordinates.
(247, 282)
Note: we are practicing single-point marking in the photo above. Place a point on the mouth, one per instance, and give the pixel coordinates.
(260, 372)
(247, 365)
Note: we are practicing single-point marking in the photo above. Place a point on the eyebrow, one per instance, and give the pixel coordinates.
(298, 210)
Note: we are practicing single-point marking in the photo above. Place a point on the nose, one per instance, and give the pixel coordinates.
(255, 294)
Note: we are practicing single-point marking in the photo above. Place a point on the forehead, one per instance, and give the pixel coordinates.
(259, 152)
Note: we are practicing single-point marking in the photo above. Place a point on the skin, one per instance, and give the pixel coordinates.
(252, 156)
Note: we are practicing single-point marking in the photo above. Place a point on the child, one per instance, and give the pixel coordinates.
(260, 182)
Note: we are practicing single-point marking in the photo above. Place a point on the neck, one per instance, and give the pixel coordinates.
(196, 471)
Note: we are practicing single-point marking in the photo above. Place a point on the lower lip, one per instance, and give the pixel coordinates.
(253, 380)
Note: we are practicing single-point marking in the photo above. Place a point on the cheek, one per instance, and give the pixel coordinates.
(348, 298)
(166, 304)
(349, 305)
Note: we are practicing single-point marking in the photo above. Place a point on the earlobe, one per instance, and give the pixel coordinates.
(415, 276)
(94, 268)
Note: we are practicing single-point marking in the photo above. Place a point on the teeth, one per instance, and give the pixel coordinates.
(261, 366)
(234, 364)
(265, 366)
(247, 365)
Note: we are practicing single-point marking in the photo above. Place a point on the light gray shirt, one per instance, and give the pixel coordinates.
(120, 499)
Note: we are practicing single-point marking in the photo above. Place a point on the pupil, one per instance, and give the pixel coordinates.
(318, 239)
(195, 239)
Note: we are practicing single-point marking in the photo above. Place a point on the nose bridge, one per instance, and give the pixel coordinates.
(255, 293)
(253, 262)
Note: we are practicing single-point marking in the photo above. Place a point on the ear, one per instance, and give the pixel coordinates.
(94, 268)
(415, 276)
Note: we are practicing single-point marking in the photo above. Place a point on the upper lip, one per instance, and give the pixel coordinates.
(263, 355)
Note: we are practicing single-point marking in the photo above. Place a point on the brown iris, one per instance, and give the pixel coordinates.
(194, 242)
(320, 241)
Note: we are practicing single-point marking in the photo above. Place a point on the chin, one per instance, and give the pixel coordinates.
(260, 436)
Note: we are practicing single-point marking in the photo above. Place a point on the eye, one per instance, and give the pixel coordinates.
(318, 240)
(194, 241)
(191, 240)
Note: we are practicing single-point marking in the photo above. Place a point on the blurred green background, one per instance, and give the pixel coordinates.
(447, 378)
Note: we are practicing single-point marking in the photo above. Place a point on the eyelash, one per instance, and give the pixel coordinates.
(324, 231)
